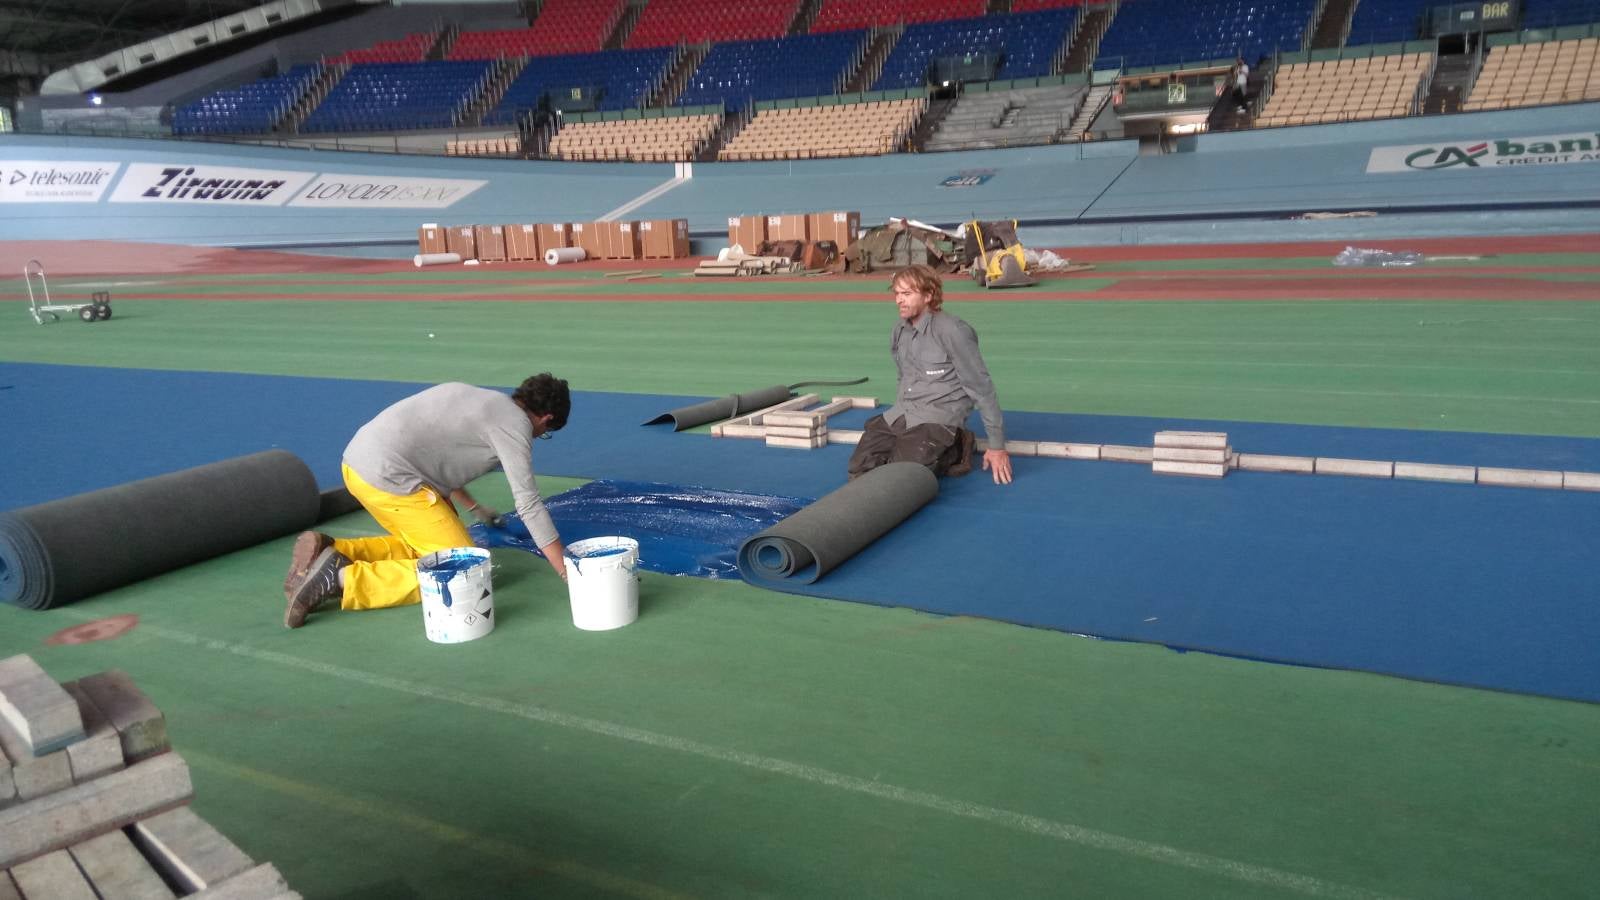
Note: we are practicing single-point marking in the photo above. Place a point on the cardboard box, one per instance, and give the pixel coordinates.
(625, 241)
(839, 227)
(431, 239)
(490, 241)
(554, 235)
(788, 228)
(462, 239)
(522, 242)
(664, 238)
(748, 232)
(591, 237)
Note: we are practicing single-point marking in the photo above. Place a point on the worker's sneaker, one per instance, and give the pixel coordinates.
(306, 548)
(320, 584)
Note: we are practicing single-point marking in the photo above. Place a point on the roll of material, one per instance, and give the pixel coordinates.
(723, 407)
(435, 259)
(817, 539)
(59, 552)
(555, 256)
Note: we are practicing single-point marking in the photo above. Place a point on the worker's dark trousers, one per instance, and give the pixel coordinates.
(942, 448)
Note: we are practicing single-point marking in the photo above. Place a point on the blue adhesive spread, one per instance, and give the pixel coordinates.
(681, 529)
(601, 551)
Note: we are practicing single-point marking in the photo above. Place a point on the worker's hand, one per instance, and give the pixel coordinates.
(486, 515)
(998, 462)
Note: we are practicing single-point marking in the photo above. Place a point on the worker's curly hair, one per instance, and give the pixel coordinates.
(544, 393)
(923, 280)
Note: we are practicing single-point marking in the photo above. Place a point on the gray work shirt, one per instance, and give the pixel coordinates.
(942, 376)
(443, 439)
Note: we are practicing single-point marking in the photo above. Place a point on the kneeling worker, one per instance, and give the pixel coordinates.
(406, 466)
(942, 376)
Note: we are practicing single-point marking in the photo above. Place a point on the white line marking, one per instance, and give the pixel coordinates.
(1073, 834)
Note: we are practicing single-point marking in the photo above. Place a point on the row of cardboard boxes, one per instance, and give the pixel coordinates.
(650, 239)
(654, 239)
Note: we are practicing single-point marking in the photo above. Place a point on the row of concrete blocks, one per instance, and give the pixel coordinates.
(95, 802)
(791, 425)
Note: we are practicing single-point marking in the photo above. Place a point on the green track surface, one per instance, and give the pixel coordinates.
(736, 742)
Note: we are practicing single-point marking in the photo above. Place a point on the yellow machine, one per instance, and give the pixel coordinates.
(995, 254)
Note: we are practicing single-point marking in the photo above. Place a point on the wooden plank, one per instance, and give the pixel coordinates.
(810, 443)
(53, 876)
(755, 418)
(1206, 440)
(1431, 472)
(1580, 481)
(8, 888)
(140, 726)
(800, 432)
(41, 713)
(860, 402)
(1188, 454)
(59, 820)
(100, 751)
(1526, 478)
(116, 869)
(260, 883)
(8, 783)
(1022, 448)
(739, 431)
(1262, 462)
(191, 853)
(34, 776)
(643, 276)
(1120, 453)
(623, 274)
(1361, 468)
(845, 436)
(1201, 470)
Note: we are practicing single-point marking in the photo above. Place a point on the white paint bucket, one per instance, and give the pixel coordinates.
(457, 595)
(603, 582)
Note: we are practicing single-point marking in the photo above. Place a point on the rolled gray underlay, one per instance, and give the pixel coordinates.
(59, 552)
(817, 539)
(723, 407)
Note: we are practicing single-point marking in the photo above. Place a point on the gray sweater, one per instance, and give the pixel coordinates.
(445, 437)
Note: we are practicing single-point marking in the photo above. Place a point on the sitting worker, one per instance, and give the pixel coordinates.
(406, 466)
(942, 377)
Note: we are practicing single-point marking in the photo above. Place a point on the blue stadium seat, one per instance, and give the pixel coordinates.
(252, 108)
(1386, 21)
(1164, 32)
(626, 77)
(399, 96)
(1027, 43)
(1552, 13)
(800, 66)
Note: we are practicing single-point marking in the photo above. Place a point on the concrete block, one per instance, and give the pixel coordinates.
(140, 726)
(1581, 481)
(100, 751)
(1187, 454)
(1119, 453)
(1022, 448)
(53, 876)
(192, 854)
(1432, 472)
(1525, 478)
(36, 706)
(260, 883)
(835, 436)
(795, 432)
(1365, 468)
(797, 443)
(1260, 462)
(117, 869)
(59, 820)
(1201, 470)
(1207, 440)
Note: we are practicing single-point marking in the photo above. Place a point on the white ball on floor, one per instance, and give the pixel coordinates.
(430, 334)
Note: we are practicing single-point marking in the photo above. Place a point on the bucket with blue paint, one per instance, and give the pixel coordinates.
(603, 582)
(457, 595)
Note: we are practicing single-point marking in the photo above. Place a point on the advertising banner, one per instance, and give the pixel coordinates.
(384, 192)
(185, 183)
(1501, 154)
(36, 181)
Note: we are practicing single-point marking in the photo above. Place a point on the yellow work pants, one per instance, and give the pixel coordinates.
(383, 570)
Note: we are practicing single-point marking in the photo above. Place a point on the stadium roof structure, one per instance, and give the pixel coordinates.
(62, 32)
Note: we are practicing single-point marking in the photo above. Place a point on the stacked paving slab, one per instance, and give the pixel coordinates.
(94, 803)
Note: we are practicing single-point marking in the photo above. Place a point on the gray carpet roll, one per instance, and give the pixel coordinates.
(723, 408)
(817, 539)
(59, 552)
